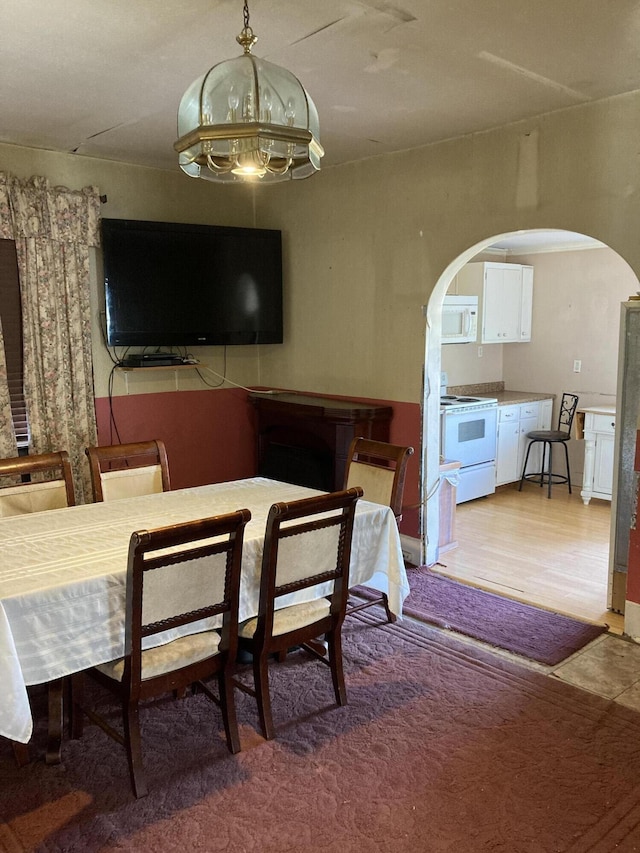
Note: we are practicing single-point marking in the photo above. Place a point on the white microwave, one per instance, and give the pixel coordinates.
(459, 319)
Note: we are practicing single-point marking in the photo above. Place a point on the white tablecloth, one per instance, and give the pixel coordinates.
(62, 576)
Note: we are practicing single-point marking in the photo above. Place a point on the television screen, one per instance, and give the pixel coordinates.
(170, 284)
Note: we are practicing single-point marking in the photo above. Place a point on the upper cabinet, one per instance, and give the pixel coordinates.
(505, 300)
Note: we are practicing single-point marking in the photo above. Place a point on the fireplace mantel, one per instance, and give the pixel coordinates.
(304, 439)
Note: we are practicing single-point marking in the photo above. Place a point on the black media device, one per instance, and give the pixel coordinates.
(173, 284)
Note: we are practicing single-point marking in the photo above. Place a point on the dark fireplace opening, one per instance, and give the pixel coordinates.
(302, 466)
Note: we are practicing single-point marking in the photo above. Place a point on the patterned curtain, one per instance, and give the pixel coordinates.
(53, 229)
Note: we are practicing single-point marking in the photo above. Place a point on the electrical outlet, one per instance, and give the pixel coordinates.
(577, 365)
(479, 352)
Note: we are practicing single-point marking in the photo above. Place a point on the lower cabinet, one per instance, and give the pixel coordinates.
(514, 423)
(599, 437)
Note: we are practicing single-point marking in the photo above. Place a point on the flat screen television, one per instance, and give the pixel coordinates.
(171, 284)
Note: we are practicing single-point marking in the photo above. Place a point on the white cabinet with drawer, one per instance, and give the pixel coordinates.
(514, 423)
(599, 437)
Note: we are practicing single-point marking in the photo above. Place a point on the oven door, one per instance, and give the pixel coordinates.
(469, 437)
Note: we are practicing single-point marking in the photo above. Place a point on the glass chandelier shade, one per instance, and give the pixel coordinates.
(247, 119)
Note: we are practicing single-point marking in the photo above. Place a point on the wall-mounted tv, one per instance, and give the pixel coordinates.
(171, 284)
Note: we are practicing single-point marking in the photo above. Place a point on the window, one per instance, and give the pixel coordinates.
(11, 313)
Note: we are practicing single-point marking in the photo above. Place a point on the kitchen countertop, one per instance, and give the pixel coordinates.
(599, 410)
(496, 389)
(507, 398)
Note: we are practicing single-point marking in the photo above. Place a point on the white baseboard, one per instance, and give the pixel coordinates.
(410, 549)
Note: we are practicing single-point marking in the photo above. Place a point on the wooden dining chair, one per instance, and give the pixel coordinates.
(380, 470)
(37, 483)
(307, 543)
(128, 470)
(176, 577)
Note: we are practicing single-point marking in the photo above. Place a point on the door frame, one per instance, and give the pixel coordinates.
(430, 410)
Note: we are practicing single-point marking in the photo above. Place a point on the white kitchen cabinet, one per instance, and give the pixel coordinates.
(514, 423)
(507, 444)
(505, 300)
(599, 437)
(529, 421)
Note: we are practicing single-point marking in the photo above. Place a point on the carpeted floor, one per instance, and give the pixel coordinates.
(443, 747)
(532, 632)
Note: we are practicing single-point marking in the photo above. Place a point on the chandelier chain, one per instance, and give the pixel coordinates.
(246, 14)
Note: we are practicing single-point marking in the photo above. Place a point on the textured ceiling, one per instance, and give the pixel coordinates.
(103, 78)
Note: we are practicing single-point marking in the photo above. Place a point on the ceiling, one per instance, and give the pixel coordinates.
(104, 79)
(545, 240)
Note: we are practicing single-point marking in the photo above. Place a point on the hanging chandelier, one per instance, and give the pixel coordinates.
(247, 119)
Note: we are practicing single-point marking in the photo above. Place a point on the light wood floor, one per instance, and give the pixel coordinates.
(549, 552)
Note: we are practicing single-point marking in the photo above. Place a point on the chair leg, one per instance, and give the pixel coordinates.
(261, 681)
(566, 457)
(391, 617)
(21, 753)
(228, 708)
(524, 467)
(76, 714)
(334, 639)
(55, 690)
(133, 745)
(545, 461)
(550, 472)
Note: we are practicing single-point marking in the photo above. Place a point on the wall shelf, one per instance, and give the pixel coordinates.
(154, 369)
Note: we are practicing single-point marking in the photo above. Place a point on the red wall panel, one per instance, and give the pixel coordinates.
(210, 436)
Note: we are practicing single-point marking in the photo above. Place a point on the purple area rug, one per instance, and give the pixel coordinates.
(532, 632)
(443, 747)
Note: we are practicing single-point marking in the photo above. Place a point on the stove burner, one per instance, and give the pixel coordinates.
(453, 401)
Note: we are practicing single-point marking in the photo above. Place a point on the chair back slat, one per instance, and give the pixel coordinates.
(380, 470)
(568, 406)
(312, 538)
(182, 575)
(36, 483)
(131, 482)
(128, 470)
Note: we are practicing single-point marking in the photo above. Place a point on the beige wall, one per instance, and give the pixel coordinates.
(366, 244)
(372, 242)
(368, 241)
(576, 315)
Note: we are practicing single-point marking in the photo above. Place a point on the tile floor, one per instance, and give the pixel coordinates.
(609, 666)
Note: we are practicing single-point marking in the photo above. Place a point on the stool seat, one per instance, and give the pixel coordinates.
(548, 435)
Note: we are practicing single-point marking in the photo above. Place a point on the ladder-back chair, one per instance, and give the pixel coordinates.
(177, 576)
(307, 543)
(380, 470)
(38, 483)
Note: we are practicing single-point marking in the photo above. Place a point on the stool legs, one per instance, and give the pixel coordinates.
(547, 457)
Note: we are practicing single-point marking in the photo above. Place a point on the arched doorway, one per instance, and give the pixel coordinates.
(567, 244)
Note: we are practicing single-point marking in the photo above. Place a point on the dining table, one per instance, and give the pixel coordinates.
(63, 576)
